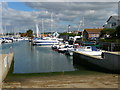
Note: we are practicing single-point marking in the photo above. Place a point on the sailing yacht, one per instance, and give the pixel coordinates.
(46, 41)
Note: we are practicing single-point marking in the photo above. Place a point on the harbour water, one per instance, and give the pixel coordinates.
(36, 59)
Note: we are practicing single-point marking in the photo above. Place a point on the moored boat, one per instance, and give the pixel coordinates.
(0, 41)
(65, 48)
(46, 41)
(89, 50)
(7, 40)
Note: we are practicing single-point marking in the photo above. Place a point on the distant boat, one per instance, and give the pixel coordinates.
(7, 40)
(0, 41)
(75, 47)
(45, 41)
(65, 49)
(59, 45)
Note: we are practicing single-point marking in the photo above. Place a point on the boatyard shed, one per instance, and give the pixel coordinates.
(91, 33)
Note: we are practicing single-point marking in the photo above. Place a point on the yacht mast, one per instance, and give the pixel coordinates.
(43, 27)
(51, 22)
(82, 28)
(37, 30)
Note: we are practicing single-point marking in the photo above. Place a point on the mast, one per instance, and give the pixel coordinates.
(37, 30)
(43, 27)
(82, 28)
(51, 22)
(5, 30)
(79, 26)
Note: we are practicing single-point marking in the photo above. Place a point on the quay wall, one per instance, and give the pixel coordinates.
(108, 63)
(113, 58)
(0, 72)
(5, 63)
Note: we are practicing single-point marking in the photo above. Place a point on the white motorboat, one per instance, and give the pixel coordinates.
(75, 47)
(65, 49)
(46, 41)
(90, 50)
(59, 45)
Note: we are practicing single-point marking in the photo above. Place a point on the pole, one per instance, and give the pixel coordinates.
(82, 28)
(43, 27)
(37, 30)
(51, 22)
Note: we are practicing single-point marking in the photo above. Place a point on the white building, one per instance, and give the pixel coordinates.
(112, 22)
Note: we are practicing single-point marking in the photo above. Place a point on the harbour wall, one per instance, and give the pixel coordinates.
(5, 63)
(109, 63)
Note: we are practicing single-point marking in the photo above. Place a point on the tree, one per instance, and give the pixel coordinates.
(29, 33)
(118, 32)
(108, 31)
(23, 34)
(67, 34)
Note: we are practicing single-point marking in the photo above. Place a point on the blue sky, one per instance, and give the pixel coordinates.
(20, 6)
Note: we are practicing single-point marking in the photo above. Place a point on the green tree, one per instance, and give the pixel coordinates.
(69, 34)
(23, 34)
(118, 32)
(108, 31)
(29, 33)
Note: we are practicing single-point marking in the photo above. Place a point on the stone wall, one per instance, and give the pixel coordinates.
(5, 63)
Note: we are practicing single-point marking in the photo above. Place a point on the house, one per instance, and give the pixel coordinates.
(91, 33)
(112, 22)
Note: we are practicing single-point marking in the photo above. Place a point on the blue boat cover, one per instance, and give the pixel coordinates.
(94, 48)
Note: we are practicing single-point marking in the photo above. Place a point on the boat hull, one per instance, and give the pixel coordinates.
(45, 43)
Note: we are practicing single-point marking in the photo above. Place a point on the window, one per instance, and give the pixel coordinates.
(114, 24)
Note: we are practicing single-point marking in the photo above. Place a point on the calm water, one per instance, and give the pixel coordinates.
(35, 59)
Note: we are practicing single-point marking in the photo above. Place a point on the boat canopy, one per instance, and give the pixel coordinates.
(94, 48)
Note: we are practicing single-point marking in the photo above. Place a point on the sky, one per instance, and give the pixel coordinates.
(55, 16)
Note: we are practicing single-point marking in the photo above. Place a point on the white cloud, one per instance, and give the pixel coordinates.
(70, 11)
(60, 0)
(95, 14)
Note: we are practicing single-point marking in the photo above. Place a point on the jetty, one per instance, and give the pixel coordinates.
(5, 63)
(109, 61)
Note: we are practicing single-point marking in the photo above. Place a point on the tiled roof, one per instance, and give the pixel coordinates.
(93, 30)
